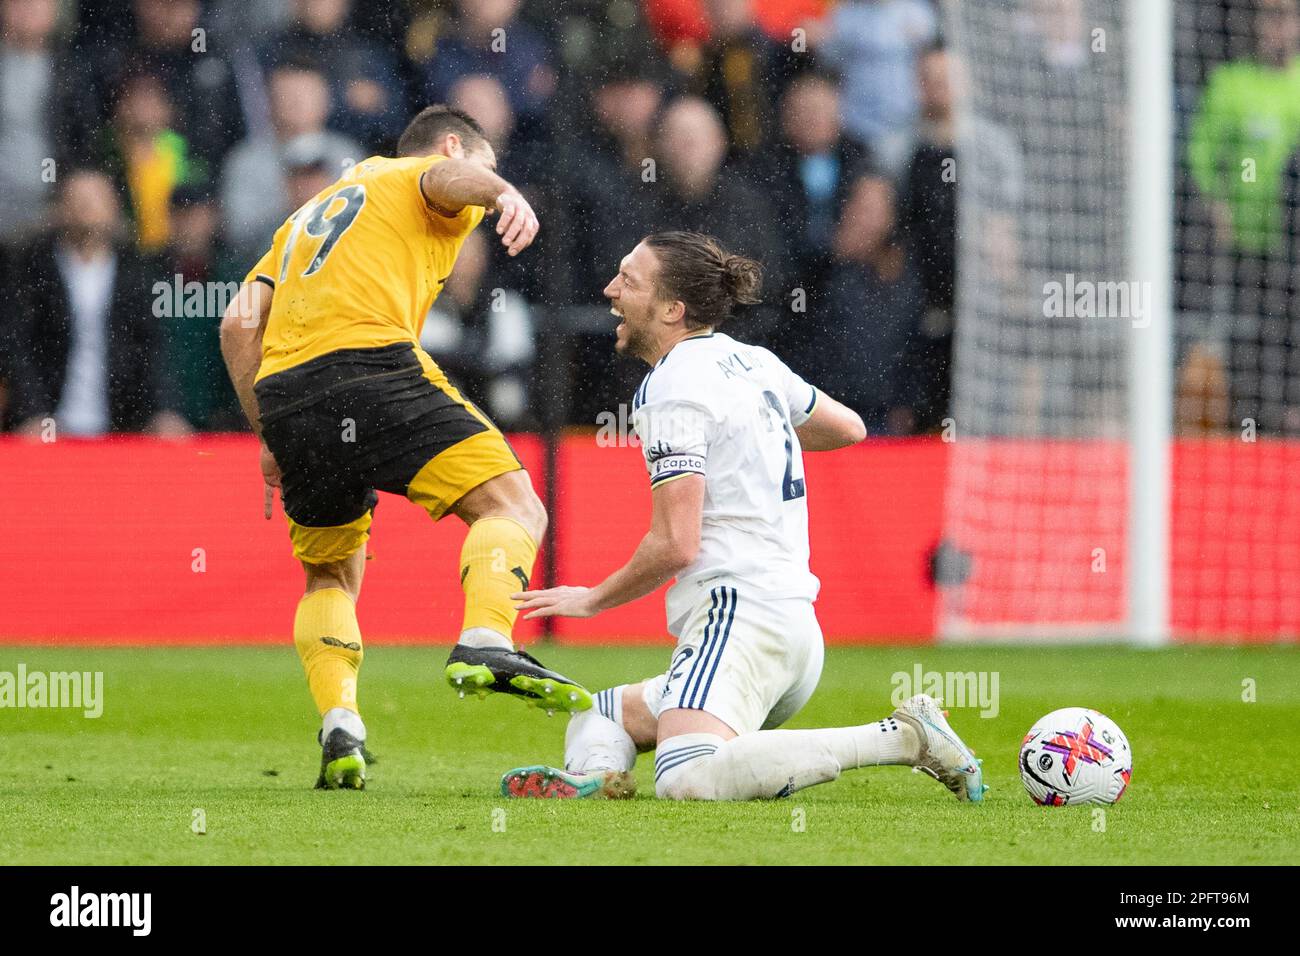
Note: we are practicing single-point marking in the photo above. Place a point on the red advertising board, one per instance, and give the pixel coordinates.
(133, 540)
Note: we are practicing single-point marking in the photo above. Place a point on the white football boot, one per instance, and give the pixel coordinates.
(943, 755)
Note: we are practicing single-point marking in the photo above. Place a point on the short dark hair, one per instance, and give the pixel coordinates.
(432, 123)
(697, 271)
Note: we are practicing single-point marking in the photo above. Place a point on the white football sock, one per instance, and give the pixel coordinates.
(485, 637)
(595, 739)
(349, 720)
(775, 763)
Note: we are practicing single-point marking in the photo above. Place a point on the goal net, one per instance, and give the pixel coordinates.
(1062, 453)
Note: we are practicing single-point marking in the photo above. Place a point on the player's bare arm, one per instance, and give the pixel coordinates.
(831, 425)
(668, 547)
(452, 184)
(242, 327)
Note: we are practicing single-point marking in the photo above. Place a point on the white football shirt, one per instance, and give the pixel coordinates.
(726, 410)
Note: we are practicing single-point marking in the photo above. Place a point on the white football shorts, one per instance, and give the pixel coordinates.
(750, 662)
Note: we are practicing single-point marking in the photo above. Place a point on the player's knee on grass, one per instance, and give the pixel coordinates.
(692, 767)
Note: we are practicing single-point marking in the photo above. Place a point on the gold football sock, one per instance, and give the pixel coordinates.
(495, 562)
(328, 639)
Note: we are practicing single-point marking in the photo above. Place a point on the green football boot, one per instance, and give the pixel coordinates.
(487, 670)
(342, 762)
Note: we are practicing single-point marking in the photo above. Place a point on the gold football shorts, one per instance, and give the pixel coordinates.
(347, 424)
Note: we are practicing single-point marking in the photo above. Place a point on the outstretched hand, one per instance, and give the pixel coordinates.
(555, 602)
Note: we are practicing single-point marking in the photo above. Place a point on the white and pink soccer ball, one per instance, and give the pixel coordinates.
(1075, 755)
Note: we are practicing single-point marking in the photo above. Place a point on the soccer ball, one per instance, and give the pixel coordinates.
(1075, 755)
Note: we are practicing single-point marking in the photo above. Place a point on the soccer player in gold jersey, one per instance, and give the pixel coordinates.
(322, 345)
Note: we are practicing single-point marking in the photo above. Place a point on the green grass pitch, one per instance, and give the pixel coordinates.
(230, 733)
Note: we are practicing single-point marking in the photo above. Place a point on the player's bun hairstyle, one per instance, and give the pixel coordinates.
(432, 123)
(708, 280)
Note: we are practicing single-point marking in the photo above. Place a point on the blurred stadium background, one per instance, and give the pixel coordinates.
(1049, 249)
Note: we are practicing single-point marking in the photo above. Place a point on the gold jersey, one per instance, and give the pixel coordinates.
(359, 265)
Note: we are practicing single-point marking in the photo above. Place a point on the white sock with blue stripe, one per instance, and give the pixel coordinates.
(595, 739)
(775, 763)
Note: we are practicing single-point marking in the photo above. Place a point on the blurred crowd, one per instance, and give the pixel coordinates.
(150, 148)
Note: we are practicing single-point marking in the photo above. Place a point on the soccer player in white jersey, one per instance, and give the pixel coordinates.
(723, 426)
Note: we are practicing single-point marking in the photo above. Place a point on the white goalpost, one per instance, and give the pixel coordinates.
(1150, 51)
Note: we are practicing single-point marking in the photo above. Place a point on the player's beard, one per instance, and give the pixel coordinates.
(634, 341)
